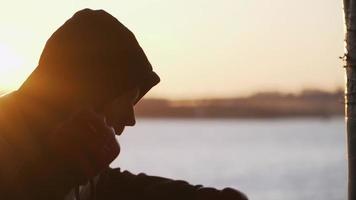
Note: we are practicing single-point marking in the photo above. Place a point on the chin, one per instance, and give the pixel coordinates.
(119, 130)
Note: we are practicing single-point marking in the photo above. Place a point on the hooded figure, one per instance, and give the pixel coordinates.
(92, 58)
(89, 61)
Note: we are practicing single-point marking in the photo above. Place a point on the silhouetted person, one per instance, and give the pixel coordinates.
(57, 132)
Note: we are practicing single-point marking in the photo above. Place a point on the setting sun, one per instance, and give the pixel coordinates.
(11, 71)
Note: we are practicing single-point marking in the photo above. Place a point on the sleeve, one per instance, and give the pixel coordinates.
(36, 178)
(114, 184)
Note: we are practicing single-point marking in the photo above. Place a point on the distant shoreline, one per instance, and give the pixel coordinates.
(309, 103)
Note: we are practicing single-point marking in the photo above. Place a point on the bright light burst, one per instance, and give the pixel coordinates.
(11, 71)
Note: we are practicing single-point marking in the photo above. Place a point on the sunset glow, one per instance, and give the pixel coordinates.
(11, 71)
(201, 48)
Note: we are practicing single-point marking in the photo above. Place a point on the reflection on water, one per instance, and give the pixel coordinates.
(266, 159)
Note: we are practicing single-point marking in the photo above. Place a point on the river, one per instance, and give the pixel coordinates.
(274, 159)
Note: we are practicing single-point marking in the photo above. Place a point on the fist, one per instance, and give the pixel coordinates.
(85, 143)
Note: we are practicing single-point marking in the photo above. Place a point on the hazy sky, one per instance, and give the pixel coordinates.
(200, 48)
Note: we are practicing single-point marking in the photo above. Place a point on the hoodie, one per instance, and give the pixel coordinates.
(91, 56)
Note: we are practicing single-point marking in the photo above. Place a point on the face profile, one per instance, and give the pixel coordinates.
(120, 112)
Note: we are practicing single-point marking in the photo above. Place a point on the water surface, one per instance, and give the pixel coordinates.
(267, 159)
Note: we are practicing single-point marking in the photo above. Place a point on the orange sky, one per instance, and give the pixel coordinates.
(199, 48)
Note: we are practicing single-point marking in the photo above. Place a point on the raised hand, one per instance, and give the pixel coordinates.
(85, 143)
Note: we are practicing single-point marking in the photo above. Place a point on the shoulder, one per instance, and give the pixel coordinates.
(10, 167)
(10, 117)
(115, 184)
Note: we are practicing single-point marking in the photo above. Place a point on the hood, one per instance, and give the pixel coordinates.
(92, 55)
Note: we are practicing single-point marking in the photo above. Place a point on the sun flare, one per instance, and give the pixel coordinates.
(11, 69)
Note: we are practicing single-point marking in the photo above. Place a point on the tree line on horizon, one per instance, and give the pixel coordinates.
(308, 103)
